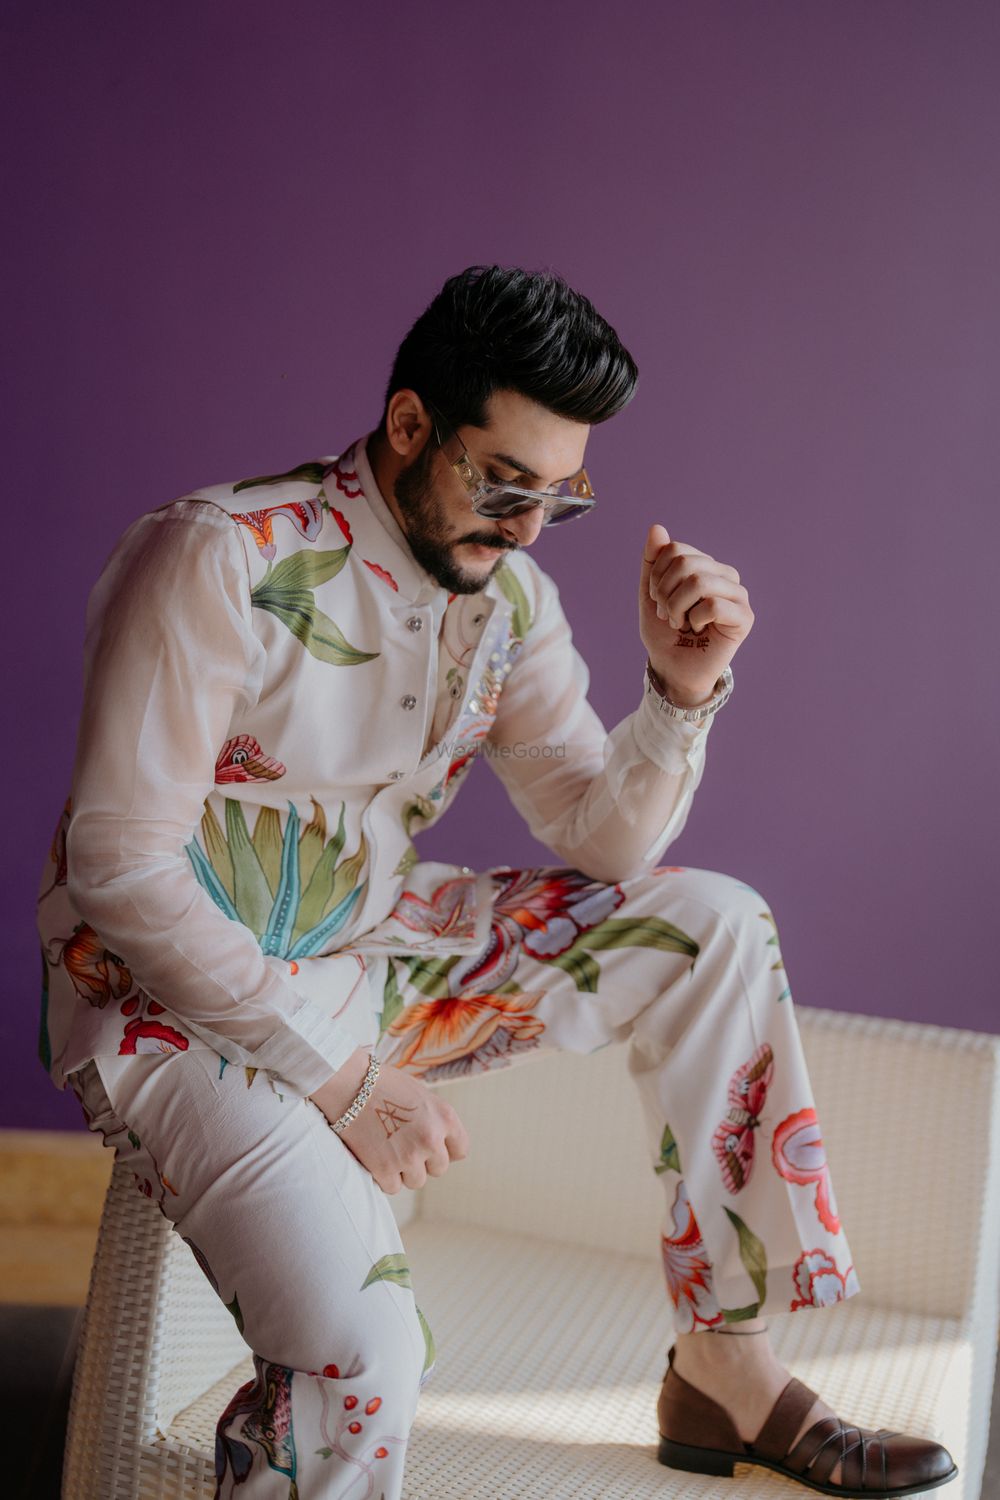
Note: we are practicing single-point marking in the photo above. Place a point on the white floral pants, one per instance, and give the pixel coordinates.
(301, 1245)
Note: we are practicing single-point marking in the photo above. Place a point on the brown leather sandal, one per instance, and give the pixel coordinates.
(698, 1436)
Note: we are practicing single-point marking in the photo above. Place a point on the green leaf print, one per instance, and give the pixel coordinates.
(670, 1159)
(390, 1268)
(392, 1000)
(752, 1254)
(286, 591)
(217, 850)
(740, 1314)
(311, 473)
(207, 877)
(430, 975)
(582, 969)
(510, 584)
(312, 842)
(431, 1352)
(269, 845)
(253, 898)
(319, 887)
(620, 932)
(278, 932)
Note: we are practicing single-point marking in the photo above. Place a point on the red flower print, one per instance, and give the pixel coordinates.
(339, 518)
(818, 1281)
(381, 572)
(305, 515)
(468, 1034)
(151, 1036)
(687, 1268)
(798, 1155)
(542, 912)
(451, 910)
(346, 475)
(97, 974)
(242, 759)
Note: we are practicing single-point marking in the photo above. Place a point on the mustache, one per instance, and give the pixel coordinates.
(489, 541)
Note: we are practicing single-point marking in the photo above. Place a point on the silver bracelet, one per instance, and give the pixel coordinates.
(722, 690)
(361, 1098)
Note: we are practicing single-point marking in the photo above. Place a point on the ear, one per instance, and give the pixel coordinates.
(407, 423)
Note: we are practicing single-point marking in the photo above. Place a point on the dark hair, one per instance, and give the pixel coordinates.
(493, 328)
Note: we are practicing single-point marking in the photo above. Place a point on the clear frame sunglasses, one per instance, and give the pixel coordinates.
(573, 497)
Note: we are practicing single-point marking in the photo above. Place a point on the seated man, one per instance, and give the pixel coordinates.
(253, 982)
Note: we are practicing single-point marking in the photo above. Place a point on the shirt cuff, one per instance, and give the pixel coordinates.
(672, 744)
(333, 1020)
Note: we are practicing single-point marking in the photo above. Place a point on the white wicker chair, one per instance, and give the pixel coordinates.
(535, 1263)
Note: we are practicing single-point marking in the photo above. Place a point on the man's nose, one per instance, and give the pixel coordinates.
(524, 528)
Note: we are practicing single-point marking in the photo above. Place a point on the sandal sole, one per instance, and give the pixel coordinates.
(716, 1461)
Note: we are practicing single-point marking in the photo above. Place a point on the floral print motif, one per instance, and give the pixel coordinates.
(459, 1035)
(57, 851)
(798, 1155)
(144, 1033)
(688, 1270)
(818, 1281)
(450, 912)
(286, 591)
(541, 911)
(290, 887)
(97, 974)
(382, 573)
(305, 515)
(265, 1404)
(242, 759)
(345, 475)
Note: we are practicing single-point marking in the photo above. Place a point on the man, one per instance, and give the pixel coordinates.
(253, 981)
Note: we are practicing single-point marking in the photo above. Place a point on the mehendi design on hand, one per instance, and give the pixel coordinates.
(394, 1116)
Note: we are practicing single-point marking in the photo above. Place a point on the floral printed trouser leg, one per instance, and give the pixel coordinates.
(302, 1247)
(685, 964)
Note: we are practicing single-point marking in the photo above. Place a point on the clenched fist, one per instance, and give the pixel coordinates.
(693, 615)
(404, 1134)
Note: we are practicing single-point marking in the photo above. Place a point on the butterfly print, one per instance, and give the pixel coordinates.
(733, 1140)
(305, 515)
(242, 759)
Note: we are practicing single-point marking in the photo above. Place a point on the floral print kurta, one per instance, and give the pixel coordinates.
(277, 700)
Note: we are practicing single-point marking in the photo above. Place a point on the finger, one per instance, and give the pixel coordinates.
(732, 619)
(415, 1176)
(700, 585)
(389, 1182)
(457, 1142)
(657, 537)
(438, 1164)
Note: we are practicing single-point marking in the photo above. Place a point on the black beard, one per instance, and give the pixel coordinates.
(426, 531)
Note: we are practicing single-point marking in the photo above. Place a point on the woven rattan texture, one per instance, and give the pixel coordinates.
(551, 1342)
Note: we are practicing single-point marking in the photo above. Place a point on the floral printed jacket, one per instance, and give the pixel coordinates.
(277, 698)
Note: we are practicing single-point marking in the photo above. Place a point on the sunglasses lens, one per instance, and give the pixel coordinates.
(567, 512)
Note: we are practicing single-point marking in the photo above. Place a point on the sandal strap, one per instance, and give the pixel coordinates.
(861, 1452)
(775, 1437)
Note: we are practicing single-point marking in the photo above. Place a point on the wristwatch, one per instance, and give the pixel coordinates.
(722, 690)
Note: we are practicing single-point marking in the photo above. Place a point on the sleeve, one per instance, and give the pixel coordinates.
(169, 654)
(607, 804)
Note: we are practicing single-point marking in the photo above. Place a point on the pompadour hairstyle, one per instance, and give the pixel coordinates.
(495, 328)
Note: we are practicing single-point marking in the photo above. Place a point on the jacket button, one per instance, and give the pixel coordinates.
(409, 701)
(395, 776)
(414, 623)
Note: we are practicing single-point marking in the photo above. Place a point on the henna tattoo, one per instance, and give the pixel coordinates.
(394, 1116)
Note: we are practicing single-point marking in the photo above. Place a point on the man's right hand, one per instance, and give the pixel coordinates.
(404, 1134)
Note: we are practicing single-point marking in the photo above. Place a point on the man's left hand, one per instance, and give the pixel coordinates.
(693, 615)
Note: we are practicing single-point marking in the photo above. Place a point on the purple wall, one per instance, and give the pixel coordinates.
(224, 220)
